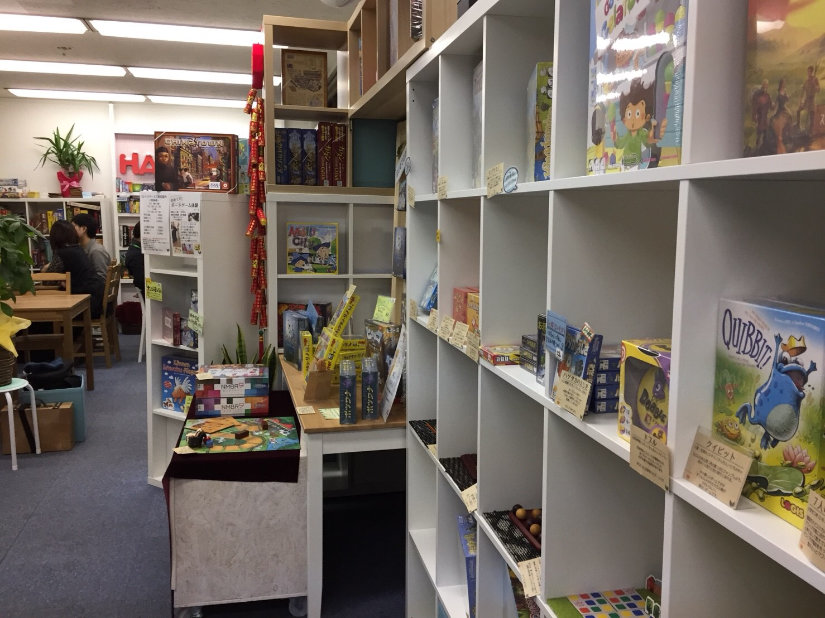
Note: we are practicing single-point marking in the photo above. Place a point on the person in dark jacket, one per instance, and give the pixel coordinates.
(69, 256)
(134, 261)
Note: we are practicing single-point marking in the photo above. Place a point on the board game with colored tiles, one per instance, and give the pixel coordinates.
(617, 603)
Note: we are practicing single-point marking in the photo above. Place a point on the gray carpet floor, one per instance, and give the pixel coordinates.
(83, 534)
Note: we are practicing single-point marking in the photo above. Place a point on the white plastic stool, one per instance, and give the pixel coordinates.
(18, 384)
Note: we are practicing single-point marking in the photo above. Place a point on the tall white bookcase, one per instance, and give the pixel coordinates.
(646, 253)
(222, 279)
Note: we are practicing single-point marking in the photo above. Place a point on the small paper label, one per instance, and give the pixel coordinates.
(442, 187)
(410, 196)
(471, 345)
(154, 290)
(186, 403)
(446, 327)
(530, 571)
(470, 498)
(495, 179)
(650, 457)
(437, 236)
(195, 322)
(433, 448)
(510, 181)
(432, 321)
(383, 308)
(413, 309)
(717, 468)
(459, 336)
(331, 414)
(572, 393)
(215, 185)
(305, 410)
(232, 389)
(812, 541)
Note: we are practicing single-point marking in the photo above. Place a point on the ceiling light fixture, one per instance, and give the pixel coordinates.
(118, 97)
(184, 75)
(178, 34)
(197, 101)
(37, 23)
(62, 68)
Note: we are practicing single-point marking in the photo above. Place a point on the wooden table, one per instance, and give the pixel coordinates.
(61, 308)
(322, 436)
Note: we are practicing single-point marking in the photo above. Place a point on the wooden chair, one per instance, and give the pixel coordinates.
(52, 283)
(106, 323)
(25, 342)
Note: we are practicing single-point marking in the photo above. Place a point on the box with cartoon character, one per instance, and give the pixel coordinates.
(636, 91)
(768, 397)
(644, 386)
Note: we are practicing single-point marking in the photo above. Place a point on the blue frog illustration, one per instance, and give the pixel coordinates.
(776, 403)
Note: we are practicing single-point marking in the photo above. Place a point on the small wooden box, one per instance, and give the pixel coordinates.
(55, 425)
(304, 78)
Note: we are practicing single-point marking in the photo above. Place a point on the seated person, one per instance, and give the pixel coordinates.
(69, 257)
(86, 227)
(134, 261)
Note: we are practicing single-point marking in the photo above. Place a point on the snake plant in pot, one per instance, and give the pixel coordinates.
(15, 278)
(67, 151)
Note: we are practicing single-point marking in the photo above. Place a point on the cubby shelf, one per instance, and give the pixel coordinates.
(635, 254)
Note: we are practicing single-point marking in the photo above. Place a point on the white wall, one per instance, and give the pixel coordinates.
(23, 119)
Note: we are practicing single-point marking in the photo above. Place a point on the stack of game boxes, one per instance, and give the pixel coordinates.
(232, 390)
(529, 353)
(312, 156)
(606, 381)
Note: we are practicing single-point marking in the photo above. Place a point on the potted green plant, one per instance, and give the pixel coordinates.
(67, 151)
(15, 278)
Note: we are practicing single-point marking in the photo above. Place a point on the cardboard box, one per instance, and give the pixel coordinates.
(55, 425)
(76, 395)
(472, 311)
(460, 303)
(196, 162)
(644, 387)
(304, 78)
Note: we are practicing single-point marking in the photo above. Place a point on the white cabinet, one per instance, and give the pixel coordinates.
(221, 278)
(645, 253)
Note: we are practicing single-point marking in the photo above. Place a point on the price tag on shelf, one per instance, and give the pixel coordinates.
(717, 468)
(650, 457)
(432, 320)
(154, 290)
(413, 309)
(438, 236)
(572, 393)
(459, 336)
(471, 345)
(433, 449)
(495, 180)
(195, 322)
(305, 410)
(530, 571)
(442, 187)
(470, 498)
(812, 541)
(446, 327)
(410, 196)
(331, 414)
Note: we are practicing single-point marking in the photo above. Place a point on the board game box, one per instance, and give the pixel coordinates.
(304, 77)
(312, 248)
(614, 603)
(768, 398)
(783, 103)
(644, 387)
(242, 435)
(636, 91)
(579, 357)
(539, 119)
(196, 162)
(467, 536)
(177, 381)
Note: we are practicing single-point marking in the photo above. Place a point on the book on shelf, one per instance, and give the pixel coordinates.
(636, 98)
(784, 105)
(170, 329)
(312, 248)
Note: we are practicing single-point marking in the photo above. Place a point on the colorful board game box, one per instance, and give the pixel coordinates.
(460, 302)
(541, 332)
(294, 157)
(177, 381)
(243, 165)
(605, 391)
(500, 354)
(382, 340)
(309, 157)
(615, 603)
(607, 377)
(784, 105)
(604, 406)
(293, 323)
(280, 434)
(768, 398)
(609, 358)
(232, 406)
(324, 311)
(467, 536)
(580, 355)
(325, 133)
(644, 387)
(472, 311)
(281, 156)
(539, 119)
(339, 155)
(636, 92)
(196, 162)
(312, 248)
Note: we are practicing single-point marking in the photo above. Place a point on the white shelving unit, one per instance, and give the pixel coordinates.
(35, 210)
(364, 250)
(645, 253)
(221, 273)
(128, 291)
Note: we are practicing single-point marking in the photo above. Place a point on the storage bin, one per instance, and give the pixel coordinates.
(76, 395)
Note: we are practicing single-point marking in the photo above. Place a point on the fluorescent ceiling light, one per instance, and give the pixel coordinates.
(197, 101)
(63, 68)
(36, 23)
(183, 75)
(78, 95)
(178, 34)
